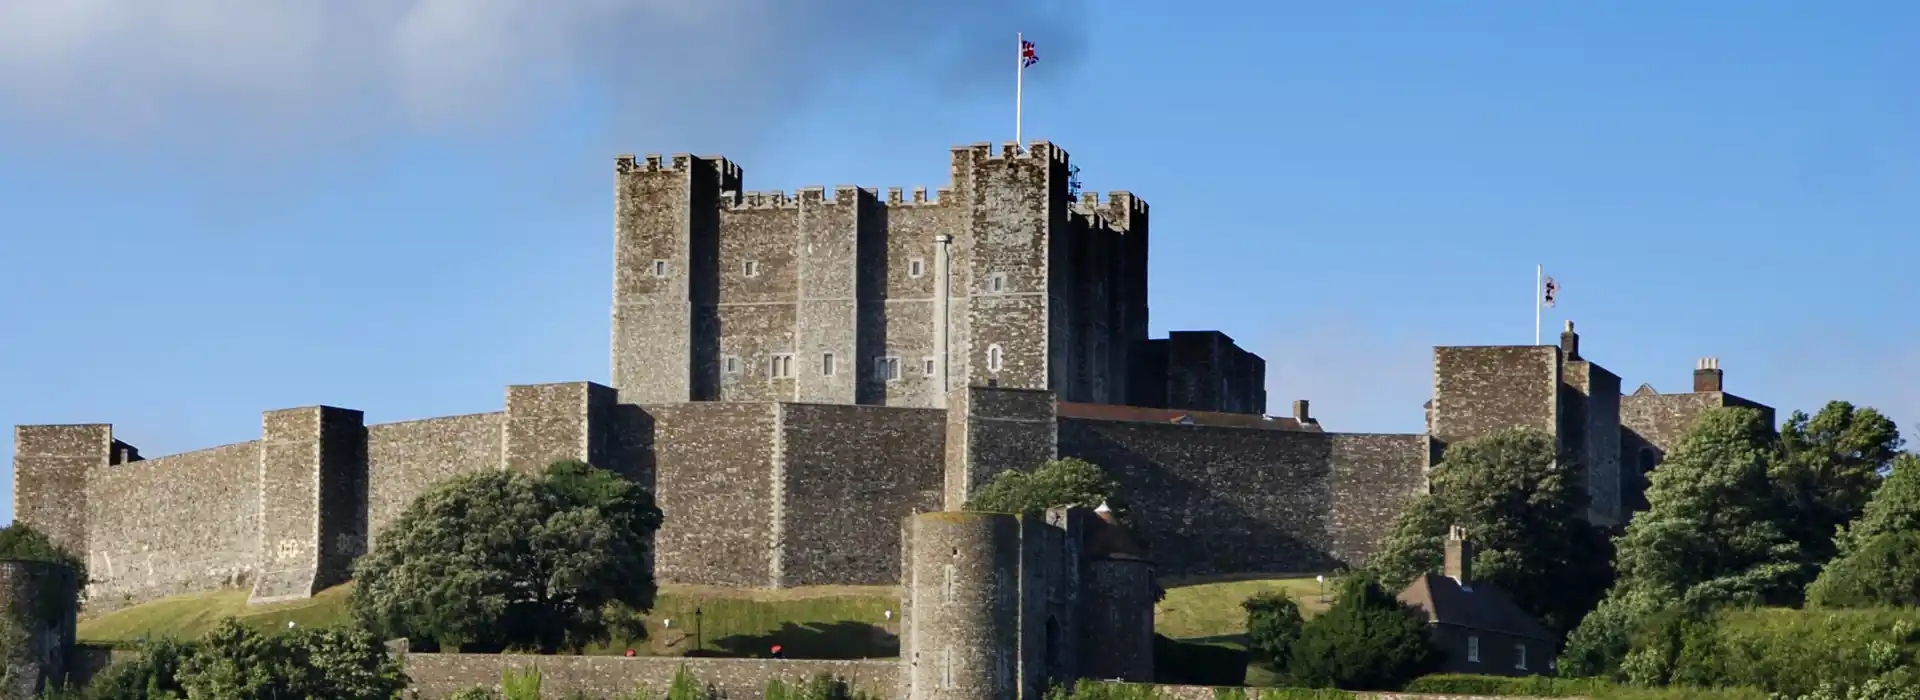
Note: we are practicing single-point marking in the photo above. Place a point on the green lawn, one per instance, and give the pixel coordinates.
(1211, 611)
(826, 622)
(832, 622)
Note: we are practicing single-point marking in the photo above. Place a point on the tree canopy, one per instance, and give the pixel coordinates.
(19, 541)
(504, 560)
(1368, 640)
(1879, 562)
(1060, 482)
(1523, 506)
(1829, 466)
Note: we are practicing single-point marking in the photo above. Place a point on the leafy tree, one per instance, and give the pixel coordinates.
(1830, 465)
(503, 560)
(153, 674)
(235, 663)
(1523, 506)
(1273, 625)
(1879, 562)
(1713, 533)
(20, 542)
(1368, 640)
(1060, 482)
(1714, 530)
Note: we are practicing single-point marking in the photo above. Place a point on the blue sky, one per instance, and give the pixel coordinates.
(213, 208)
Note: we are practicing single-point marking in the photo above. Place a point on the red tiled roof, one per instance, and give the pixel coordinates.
(1101, 411)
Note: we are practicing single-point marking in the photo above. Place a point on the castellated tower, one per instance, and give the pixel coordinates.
(1001, 278)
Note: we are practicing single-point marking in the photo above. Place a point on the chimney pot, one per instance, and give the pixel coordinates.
(1707, 376)
(1300, 411)
(1458, 564)
(1570, 342)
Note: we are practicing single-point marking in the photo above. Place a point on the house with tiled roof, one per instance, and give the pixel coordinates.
(1477, 625)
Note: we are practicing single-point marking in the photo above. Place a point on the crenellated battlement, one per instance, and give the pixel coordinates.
(895, 198)
(843, 195)
(983, 151)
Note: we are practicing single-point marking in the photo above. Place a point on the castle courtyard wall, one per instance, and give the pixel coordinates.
(183, 523)
(713, 468)
(437, 676)
(1217, 500)
(847, 476)
(406, 459)
(1373, 476)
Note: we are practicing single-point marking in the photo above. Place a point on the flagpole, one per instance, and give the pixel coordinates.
(1539, 280)
(1019, 79)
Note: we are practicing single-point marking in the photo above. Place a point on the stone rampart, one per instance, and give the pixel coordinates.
(847, 475)
(170, 525)
(440, 675)
(406, 459)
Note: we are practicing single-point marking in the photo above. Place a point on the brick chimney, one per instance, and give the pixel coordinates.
(1459, 558)
(1707, 376)
(1570, 343)
(1300, 412)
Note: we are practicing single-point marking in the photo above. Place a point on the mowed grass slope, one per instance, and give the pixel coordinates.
(1211, 612)
(827, 622)
(824, 622)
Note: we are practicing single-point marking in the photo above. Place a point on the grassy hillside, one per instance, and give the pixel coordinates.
(1210, 611)
(826, 622)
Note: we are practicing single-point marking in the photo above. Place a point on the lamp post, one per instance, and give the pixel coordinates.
(1322, 578)
(699, 641)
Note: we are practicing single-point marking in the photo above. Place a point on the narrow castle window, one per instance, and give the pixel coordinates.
(946, 670)
(997, 282)
(926, 365)
(660, 268)
(750, 268)
(732, 363)
(950, 581)
(781, 367)
(916, 267)
(993, 357)
(1520, 656)
(886, 369)
(826, 365)
(1473, 648)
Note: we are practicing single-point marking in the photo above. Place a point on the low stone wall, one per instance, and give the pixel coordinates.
(437, 676)
(1207, 692)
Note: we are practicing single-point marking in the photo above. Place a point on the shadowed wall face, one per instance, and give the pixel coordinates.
(848, 475)
(436, 676)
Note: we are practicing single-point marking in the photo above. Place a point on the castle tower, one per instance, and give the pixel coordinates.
(44, 599)
(1116, 638)
(961, 613)
(726, 295)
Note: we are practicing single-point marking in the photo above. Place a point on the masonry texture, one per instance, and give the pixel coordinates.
(792, 375)
(42, 598)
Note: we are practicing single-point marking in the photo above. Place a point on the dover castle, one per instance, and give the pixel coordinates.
(794, 375)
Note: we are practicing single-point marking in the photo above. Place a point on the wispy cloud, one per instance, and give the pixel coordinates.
(288, 70)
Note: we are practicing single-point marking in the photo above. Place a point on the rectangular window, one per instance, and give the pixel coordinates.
(993, 357)
(826, 365)
(660, 268)
(732, 364)
(926, 365)
(750, 268)
(886, 369)
(997, 282)
(1520, 656)
(916, 267)
(781, 367)
(1473, 649)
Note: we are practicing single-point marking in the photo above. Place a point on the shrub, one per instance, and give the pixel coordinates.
(1193, 663)
(1367, 641)
(1273, 625)
(820, 687)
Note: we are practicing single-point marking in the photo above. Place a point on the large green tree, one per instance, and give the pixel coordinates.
(1715, 532)
(1879, 554)
(504, 560)
(19, 541)
(1368, 640)
(1523, 506)
(1829, 466)
(234, 663)
(1060, 482)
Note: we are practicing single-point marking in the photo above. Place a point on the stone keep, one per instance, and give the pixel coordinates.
(794, 374)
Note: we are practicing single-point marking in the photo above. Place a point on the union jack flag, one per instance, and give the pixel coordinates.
(1027, 55)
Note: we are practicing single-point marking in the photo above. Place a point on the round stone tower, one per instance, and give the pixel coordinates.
(1119, 593)
(962, 608)
(41, 601)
